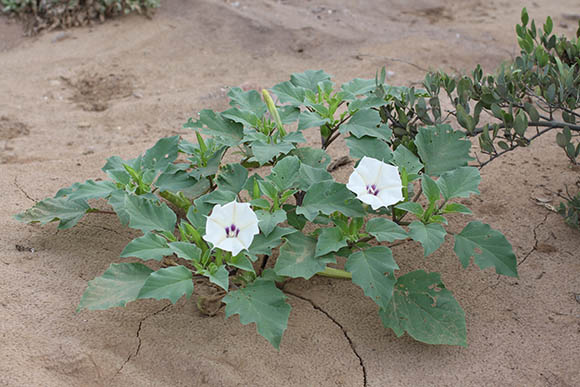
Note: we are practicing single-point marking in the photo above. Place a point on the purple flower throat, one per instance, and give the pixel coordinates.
(372, 189)
(232, 231)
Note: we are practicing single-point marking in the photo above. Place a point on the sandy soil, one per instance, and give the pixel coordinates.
(70, 99)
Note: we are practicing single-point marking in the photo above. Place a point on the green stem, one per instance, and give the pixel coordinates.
(335, 273)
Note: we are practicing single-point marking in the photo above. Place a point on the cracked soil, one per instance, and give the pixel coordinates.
(521, 332)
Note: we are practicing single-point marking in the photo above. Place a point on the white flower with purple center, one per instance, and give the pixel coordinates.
(376, 183)
(231, 227)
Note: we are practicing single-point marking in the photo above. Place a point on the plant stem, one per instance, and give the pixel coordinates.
(331, 272)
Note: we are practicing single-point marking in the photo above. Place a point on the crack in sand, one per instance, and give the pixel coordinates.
(535, 247)
(23, 191)
(350, 342)
(139, 341)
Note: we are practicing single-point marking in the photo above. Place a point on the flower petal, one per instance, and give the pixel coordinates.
(232, 245)
(389, 177)
(356, 183)
(390, 196)
(214, 232)
(369, 170)
(372, 200)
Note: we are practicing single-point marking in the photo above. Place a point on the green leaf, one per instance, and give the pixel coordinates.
(311, 120)
(488, 247)
(242, 262)
(288, 93)
(442, 149)
(404, 158)
(247, 100)
(298, 259)
(264, 152)
(366, 122)
(412, 207)
(69, 212)
(427, 311)
(92, 190)
(114, 168)
(430, 189)
(456, 207)
(357, 87)
(232, 177)
(264, 244)
(149, 246)
(431, 236)
(285, 173)
(163, 153)
(370, 269)
(370, 147)
(328, 197)
(220, 277)
(224, 131)
(120, 284)
(316, 158)
(459, 183)
(309, 79)
(117, 201)
(385, 230)
(329, 241)
(244, 117)
(308, 175)
(365, 103)
(147, 216)
(268, 221)
(168, 283)
(261, 302)
(186, 250)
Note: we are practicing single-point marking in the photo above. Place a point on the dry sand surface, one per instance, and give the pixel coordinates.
(70, 99)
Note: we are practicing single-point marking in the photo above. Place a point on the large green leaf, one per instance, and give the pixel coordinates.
(186, 250)
(311, 120)
(356, 87)
(92, 190)
(427, 311)
(285, 173)
(459, 183)
(366, 122)
(69, 212)
(244, 117)
(372, 269)
(488, 247)
(247, 100)
(442, 149)
(120, 284)
(269, 220)
(328, 197)
(316, 158)
(219, 276)
(163, 153)
(309, 175)
(223, 130)
(330, 240)
(430, 189)
(261, 302)
(147, 216)
(149, 246)
(232, 177)
(404, 158)
(309, 79)
(298, 258)
(264, 244)
(288, 93)
(370, 147)
(431, 235)
(385, 230)
(264, 152)
(168, 283)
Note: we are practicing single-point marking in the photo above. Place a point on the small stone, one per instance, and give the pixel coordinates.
(137, 94)
(84, 125)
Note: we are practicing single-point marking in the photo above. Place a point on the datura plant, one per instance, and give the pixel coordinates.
(277, 213)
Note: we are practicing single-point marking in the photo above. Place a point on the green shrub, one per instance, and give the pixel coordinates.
(50, 14)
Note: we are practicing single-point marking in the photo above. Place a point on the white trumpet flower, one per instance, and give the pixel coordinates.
(376, 183)
(231, 227)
